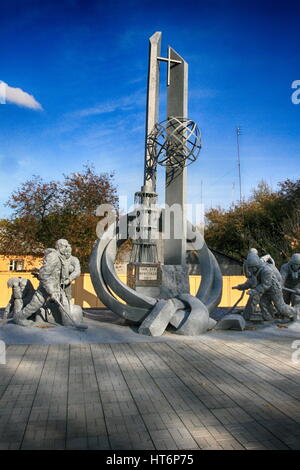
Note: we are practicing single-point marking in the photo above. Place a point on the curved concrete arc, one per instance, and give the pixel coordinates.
(210, 289)
(130, 296)
(106, 283)
(127, 312)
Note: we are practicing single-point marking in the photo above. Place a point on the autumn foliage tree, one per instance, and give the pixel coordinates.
(43, 212)
(269, 221)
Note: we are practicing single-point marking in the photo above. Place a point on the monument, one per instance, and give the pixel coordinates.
(157, 294)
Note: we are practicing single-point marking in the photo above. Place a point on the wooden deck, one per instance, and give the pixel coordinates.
(220, 392)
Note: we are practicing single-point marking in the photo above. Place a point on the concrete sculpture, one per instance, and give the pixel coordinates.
(265, 289)
(290, 273)
(51, 302)
(254, 310)
(22, 292)
(157, 294)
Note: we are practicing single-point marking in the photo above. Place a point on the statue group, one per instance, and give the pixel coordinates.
(273, 294)
(51, 302)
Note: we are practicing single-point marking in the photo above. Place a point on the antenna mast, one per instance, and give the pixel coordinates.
(238, 133)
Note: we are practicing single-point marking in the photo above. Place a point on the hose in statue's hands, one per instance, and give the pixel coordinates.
(236, 303)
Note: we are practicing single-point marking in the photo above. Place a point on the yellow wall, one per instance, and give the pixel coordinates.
(84, 294)
(30, 262)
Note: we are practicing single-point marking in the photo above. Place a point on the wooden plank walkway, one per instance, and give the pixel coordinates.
(220, 392)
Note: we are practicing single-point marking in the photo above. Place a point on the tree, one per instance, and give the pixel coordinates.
(269, 221)
(43, 212)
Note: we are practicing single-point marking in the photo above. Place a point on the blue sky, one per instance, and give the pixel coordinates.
(85, 63)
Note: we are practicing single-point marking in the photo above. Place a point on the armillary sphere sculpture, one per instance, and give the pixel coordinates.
(157, 292)
(175, 142)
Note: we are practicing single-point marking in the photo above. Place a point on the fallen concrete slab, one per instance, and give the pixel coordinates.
(234, 321)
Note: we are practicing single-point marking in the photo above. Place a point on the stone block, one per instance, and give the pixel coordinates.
(197, 321)
(157, 320)
(233, 321)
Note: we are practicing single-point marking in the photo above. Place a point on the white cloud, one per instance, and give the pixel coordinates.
(101, 109)
(19, 97)
(124, 103)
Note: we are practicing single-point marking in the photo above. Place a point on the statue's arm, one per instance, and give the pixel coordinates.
(249, 284)
(284, 273)
(77, 270)
(266, 282)
(8, 308)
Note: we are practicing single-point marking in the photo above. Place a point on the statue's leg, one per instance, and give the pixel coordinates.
(287, 297)
(66, 311)
(284, 309)
(248, 310)
(68, 292)
(266, 307)
(251, 306)
(296, 301)
(18, 305)
(37, 301)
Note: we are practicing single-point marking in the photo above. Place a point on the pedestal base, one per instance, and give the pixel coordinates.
(175, 280)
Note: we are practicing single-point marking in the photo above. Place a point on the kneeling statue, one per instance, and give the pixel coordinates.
(50, 297)
(22, 292)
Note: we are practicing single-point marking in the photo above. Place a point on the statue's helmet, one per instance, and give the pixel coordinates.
(253, 250)
(253, 260)
(295, 259)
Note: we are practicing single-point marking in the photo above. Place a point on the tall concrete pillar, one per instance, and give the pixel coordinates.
(176, 181)
(152, 101)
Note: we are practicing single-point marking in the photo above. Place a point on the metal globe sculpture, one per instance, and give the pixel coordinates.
(174, 143)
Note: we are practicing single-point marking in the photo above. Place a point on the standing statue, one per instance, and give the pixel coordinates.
(73, 271)
(58, 271)
(265, 289)
(290, 273)
(22, 292)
